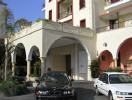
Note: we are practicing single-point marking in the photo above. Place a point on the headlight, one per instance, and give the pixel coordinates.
(121, 93)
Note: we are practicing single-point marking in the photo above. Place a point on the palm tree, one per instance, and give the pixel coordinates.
(9, 26)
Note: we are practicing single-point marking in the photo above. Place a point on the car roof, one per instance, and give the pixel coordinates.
(109, 73)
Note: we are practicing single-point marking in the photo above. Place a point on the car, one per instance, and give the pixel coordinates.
(55, 85)
(115, 85)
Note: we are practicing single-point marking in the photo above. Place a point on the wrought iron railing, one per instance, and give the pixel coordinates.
(65, 13)
(122, 24)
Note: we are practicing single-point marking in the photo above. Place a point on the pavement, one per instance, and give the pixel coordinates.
(84, 89)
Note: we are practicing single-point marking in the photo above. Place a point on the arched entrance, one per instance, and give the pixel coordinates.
(125, 55)
(20, 65)
(35, 62)
(106, 60)
(69, 55)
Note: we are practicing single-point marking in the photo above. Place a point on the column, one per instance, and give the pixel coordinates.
(76, 62)
(43, 67)
(89, 71)
(28, 68)
(115, 62)
(13, 68)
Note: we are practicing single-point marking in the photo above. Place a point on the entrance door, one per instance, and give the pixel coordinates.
(68, 65)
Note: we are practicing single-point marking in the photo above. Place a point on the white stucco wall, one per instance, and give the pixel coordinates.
(114, 39)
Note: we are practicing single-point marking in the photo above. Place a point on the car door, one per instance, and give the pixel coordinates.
(103, 83)
(99, 82)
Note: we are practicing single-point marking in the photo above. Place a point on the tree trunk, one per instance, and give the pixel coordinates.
(6, 60)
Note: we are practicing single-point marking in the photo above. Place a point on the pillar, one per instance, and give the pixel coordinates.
(76, 62)
(89, 71)
(115, 62)
(43, 67)
(13, 68)
(28, 68)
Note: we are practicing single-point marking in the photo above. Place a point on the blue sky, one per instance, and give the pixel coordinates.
(28, 9)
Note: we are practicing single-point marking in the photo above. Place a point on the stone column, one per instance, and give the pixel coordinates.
(13, 68)
(43, 67)
(115, 62)
(89, 71)
(76, 61)
(28, 68)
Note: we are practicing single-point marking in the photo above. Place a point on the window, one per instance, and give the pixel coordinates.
(50, 15)
(113, 24)
(83, 23)
(113, 1)
(82, 3)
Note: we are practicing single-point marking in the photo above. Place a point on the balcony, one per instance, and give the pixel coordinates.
(122, 24)
(65, 13)
(116, 4)
(64, 8)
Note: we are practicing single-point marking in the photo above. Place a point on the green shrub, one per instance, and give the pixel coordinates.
(117, 69)
(95, 70)
(17, 89)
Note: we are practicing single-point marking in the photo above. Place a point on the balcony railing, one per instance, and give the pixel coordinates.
(122, 24)
(65, 13)
(109, 2)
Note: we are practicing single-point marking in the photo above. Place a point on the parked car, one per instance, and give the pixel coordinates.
(55, 85)
(115, 85)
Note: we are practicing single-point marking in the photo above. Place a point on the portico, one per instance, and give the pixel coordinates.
(61, 47)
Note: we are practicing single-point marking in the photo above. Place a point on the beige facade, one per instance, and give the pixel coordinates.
(108, 26)
(54, 42)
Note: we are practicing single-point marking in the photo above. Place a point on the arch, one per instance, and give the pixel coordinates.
(33, 48)
(125, 50)
(70, 37)
(85, 52)
(106, 60)
(20, 45)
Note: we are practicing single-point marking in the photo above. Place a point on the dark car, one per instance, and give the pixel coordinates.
(55, 85)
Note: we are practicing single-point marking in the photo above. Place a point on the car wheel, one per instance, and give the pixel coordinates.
(97, 91)
(110, 97)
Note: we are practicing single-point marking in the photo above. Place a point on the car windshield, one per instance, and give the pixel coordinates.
(120, 78)
(55, 78)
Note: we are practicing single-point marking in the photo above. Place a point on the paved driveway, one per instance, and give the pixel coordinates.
(85, 91)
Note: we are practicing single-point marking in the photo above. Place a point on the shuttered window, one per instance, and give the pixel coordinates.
(82, 3)
(83, 23)
(50, 15)
(113, 1)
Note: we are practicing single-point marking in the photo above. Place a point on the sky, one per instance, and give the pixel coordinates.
(28, 9)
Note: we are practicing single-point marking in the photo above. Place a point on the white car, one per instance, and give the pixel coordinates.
(115, 85)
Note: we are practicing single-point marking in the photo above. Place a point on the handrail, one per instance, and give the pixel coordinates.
(115, 26)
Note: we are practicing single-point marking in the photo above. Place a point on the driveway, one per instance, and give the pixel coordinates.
(84, 89)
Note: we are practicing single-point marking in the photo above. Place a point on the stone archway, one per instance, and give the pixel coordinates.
(19, 60)
(69, 55)
(33, 60)
(106, 60)
(125, 50)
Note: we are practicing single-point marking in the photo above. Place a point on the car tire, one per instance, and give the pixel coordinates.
(97, 91)
(75, 96)
(110, 96)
